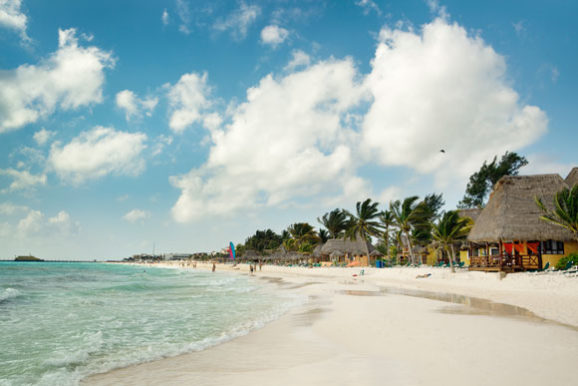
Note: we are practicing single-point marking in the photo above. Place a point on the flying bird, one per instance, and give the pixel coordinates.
(442, 151)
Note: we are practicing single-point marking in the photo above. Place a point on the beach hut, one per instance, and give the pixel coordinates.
(464, 247)
(350, 250)
(509, 234)
(572, 178)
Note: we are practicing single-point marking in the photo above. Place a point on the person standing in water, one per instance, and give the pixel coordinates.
(251, 268)
(214, 267)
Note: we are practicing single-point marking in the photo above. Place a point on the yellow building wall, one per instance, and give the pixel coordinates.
(431, 257)
(569, 247)
(464, 257)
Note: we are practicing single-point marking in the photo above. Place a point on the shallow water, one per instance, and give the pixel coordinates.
(62, 322)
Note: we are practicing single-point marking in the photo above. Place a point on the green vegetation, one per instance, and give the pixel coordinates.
(565, 213)
(451, 228)
(564, 262)
(481, 182)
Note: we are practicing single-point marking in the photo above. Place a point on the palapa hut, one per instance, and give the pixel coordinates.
(572, 178)
(349, 251)
(509, 234)
(473, 214)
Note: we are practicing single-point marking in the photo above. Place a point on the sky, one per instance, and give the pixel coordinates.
(177, 126)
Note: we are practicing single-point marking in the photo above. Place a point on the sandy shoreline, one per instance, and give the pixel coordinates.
(361, 330)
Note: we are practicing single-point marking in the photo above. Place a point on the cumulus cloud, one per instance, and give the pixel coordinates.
(69, 78)
(136, 215)
(307, 133)
(97, 153)
(442, 89)
(287, 140)
(188, 100)
(239, 21)
(22, 180)
(133, 106)
(298, 59)
(36, 224)
(42, 136)
(273, 35)
(12, 17)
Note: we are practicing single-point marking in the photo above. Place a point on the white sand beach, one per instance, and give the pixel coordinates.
(389, 327)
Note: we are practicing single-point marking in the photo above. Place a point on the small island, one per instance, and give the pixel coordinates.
(27, 258)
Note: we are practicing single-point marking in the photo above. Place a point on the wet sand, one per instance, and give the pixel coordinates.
(365, 331)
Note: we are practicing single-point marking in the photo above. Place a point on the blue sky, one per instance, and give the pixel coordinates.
(189, 124)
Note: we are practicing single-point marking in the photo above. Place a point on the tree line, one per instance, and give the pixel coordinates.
(402, 225)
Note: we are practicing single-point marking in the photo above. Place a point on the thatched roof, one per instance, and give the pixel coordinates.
(376, 253)
(350, 247)
(572, 178)
(512, 214)
(250, 254)
(472, 213)
(317, 251)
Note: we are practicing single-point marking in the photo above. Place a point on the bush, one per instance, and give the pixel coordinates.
(573, 257)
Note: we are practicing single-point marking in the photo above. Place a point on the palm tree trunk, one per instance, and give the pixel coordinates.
(410, 248)
(387, 241)
(452, 258)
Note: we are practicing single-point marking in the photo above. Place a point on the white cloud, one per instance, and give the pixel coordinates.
(165, 17)
(239, 21)
(306, 134)
(442, 89)
(36, 224)
(69, 78)
(7, 208)
(98, 152)
(286, 141)
(298, 59)
(437, 9)
(22, 180)
(11, 16)
(161, 142)
(273, 35)
(136, 215)
(545, 164)
(368, 6)
(188, 101)
(184, 13)
(133, 106)
(43, 136)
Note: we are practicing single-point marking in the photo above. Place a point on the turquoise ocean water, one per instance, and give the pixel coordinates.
(60, 322)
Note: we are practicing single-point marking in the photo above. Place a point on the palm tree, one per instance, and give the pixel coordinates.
(363, 224)
(406, 215)
(335, 222)
(450, 229)
(323, 235)
(302, 233)
(387, 222)
(565, 213)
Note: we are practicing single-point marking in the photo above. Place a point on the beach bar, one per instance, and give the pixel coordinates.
(509, 235)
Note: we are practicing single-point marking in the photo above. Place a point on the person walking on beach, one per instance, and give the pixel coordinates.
(260, 265)
(214, 267)
(251, 268)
